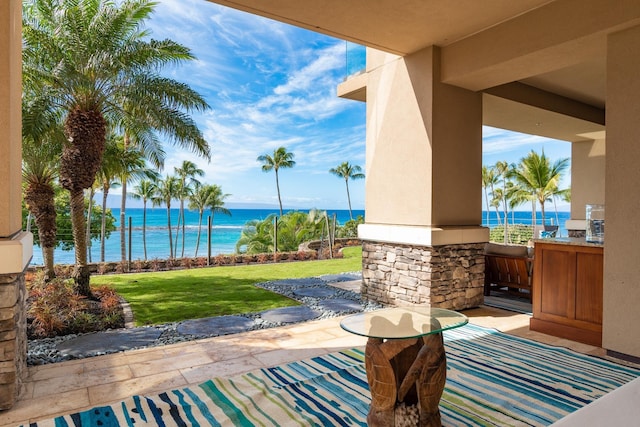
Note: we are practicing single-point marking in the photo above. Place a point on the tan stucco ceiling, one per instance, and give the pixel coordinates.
(558, 46)
(396, 26)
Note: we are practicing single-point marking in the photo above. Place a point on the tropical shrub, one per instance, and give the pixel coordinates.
(55, 308)
(350, 228)
(294, 228)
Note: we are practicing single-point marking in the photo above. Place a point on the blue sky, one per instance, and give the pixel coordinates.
(269, 85)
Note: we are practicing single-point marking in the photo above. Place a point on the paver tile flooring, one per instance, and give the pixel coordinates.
(55, 389)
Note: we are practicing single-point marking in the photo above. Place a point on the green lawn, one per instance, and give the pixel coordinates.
(171, 296)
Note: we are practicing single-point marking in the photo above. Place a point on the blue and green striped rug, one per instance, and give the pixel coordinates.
(493, 379)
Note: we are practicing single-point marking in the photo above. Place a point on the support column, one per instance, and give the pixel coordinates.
(16, 247)
(587, 181)
(621, 247)
(423, 242)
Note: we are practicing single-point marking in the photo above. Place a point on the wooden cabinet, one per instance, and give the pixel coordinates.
(567, 290)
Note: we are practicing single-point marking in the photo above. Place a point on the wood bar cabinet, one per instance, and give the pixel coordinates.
(567, 289)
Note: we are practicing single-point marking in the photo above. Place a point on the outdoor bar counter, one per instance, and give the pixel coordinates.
(567, 289)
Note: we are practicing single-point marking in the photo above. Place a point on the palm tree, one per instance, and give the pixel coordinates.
(281, 159)
(347, 171)
(216, 202)
(489, 181)
(186, 174)
(145, 191)
(39, 174)
(537, 175)
(131, 166)
(203, 197)
(42, 141)
(106, 178)
(167, 190)
(93, 60)
(502, 169)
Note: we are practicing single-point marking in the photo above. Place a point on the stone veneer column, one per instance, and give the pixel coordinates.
(13, 341)
(447, 276)
(422, 240)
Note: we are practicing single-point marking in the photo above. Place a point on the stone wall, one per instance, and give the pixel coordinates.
(13, 338)
(448, 276)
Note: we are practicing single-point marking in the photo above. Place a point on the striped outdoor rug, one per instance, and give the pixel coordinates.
(493, 379)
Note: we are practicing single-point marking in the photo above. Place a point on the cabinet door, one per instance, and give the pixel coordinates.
(589, 274)
(557, 275)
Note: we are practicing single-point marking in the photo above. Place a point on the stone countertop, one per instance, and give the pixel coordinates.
(572, 241)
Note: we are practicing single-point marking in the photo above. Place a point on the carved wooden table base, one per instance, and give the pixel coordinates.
(412, 371)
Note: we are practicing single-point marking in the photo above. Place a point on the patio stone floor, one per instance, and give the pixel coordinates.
(55, 389)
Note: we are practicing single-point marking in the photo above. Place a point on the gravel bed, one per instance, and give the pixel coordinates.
(45, 350)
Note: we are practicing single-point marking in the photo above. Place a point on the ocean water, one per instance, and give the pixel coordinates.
(225, 232)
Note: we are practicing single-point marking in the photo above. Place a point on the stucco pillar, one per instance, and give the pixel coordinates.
(621, 314)
(15, 246)
(422, 238)
(587, 181)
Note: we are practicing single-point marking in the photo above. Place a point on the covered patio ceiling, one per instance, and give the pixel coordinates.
(558, 48)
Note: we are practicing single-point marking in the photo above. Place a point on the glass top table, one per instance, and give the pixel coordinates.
(405, 361)
(403, 322)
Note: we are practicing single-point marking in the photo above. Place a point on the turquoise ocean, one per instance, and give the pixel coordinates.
(226, 231)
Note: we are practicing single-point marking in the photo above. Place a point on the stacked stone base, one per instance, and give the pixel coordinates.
(447, 276)
(13, 338)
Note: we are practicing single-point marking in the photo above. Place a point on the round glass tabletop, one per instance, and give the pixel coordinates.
(403, 322)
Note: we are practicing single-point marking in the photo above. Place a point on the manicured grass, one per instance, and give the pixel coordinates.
(172, 296)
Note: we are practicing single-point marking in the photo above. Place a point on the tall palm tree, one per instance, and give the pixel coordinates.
(198, 200)
(536, 174)
(216, 202)
(145, 191)
(106, 178)
(93, 60)
(347, 171)
(42, 140)
(204, 197)
(502, 169)
(167, 190)
(132, 166)
(187, 175)
(489, 181)
(39, 171)
(281, 158)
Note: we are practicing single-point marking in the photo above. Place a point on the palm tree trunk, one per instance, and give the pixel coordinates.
(144, 227)
(506, 224)
(88, 233)
(183, 225)
(348, 198)
(123, 206)
(48, 258)
(123, 228)
(170, 235)
(199, 231)
(81, 273)
(40, 199)
(486, 200)
(497, 210)
(103, 225)
(278, 188)
(175, 245)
